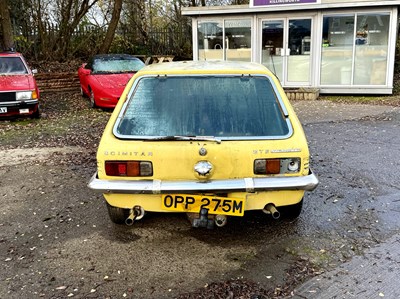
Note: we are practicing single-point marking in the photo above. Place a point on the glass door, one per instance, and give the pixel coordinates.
(272, 46)
(286, 49)
(299, 52)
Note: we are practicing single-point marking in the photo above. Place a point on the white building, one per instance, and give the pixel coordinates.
(336, 46)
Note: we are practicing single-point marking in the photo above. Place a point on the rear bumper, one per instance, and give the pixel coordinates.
(250, 185)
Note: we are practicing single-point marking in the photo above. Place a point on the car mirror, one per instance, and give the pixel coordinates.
(34, 71)
(86, 71)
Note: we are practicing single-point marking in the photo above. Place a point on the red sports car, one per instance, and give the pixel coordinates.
(105, 76)
(19, 94)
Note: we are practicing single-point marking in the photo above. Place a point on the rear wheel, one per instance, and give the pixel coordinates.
(117, 215)
(292, 212)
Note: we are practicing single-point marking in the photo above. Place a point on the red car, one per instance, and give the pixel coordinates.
(19, 94)
(105, 76)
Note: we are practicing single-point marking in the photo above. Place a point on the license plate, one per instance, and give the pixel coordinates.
(24, 111)
(3, 109)
(194, 203)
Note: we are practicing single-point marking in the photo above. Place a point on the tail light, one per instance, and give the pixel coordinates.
(276, 166)
(129, 168)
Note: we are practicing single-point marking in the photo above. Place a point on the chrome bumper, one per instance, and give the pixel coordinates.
(307, 183)
(20, 103)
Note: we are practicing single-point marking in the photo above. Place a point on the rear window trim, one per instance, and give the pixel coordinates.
(222, 138)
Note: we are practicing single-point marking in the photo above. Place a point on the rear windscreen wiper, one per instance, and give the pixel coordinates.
(183, 138)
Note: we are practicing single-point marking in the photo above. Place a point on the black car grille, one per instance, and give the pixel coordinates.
(7, 97)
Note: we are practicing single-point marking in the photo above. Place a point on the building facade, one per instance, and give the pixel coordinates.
(336, 46)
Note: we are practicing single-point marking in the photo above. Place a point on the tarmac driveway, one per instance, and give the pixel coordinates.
(56, 240)
(374, 272)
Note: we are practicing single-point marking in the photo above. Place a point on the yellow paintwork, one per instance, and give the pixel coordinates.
(176, 160)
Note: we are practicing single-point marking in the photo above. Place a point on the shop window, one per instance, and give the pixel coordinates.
(232, 37)
(210, 40)
(238, 39)
(337, 50)
(371, 53)
(355, 49)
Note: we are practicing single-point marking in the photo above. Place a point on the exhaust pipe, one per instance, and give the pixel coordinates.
(271, 209)
(221, 220)
(136, 213)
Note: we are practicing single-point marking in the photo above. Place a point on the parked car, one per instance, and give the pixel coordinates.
(19, 93)
(211, 139)
(105, 76)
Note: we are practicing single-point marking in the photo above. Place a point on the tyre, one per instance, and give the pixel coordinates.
(292, 212)
(91, 99)
(83, 94)
(117, 215)
(36, 114)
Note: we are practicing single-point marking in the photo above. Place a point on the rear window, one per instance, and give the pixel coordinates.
(227, 107)
(12, 65)
(116, 65)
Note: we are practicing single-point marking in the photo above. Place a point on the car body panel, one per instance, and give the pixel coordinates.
(174, 161)
(14, 81)
(106, 87)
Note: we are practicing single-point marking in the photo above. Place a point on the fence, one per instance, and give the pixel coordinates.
(56, 82)
(86, 40)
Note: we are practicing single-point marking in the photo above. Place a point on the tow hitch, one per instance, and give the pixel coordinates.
(202, 219)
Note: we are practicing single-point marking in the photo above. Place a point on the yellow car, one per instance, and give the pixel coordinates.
(211, 139)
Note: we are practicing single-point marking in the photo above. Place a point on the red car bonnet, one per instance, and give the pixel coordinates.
(113, 80)
(16, 82)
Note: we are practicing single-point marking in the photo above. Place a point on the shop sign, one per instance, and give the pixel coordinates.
(256, 3)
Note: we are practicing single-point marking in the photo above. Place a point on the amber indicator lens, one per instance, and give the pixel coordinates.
(133, 168)
(273, 166)
(267, 166)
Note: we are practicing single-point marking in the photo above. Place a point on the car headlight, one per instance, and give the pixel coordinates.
(23, 95)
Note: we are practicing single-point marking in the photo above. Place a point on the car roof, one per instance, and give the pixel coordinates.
(10, 53)
(100, 56)
(205, 67)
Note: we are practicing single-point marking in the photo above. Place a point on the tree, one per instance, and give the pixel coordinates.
(71, 13)
(105, 47)
(7, 37)
(64, 29)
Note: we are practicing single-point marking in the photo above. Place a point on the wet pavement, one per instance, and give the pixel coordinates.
(374, 273)
(327, 111)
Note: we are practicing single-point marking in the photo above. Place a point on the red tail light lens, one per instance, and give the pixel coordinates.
(129, 168)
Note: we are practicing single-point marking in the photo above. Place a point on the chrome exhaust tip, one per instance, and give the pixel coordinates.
(136, 213)
(271, 209)
(221, 220)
